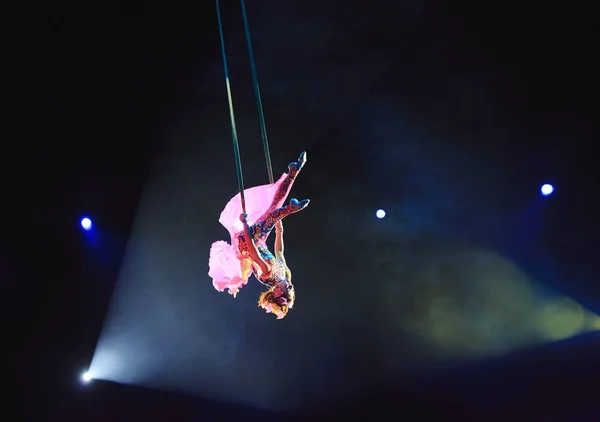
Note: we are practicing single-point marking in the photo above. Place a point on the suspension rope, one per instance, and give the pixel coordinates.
(236, 147)
(261, 116)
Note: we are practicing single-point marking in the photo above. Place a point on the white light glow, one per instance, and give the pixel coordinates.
(86, 223)
(547, 189)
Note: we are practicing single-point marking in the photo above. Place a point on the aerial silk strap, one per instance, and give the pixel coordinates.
(236, 147)
(261, 116)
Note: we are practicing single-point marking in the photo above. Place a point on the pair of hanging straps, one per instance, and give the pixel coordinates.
(261, 117)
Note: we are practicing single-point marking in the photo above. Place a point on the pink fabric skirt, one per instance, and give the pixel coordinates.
(224, 264)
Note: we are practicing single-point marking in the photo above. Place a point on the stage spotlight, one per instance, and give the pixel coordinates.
(380, 214)
(86, 223)
(86, 376)
(547, 189)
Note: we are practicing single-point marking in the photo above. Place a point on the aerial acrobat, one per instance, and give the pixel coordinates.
(250, 222)
(230, 265)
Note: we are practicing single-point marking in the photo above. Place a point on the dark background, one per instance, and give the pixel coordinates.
(449, 116)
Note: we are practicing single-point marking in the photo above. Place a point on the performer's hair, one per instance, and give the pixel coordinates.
(268, 302)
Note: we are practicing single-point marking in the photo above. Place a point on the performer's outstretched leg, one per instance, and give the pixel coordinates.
(284, 189)
(276, 212)
(263, 227)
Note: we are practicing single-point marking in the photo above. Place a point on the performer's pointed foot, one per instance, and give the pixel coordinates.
(302, 158)
(298, 205)
(295, 166)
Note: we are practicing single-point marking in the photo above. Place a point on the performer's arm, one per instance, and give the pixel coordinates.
(279, 242)
(254, 254)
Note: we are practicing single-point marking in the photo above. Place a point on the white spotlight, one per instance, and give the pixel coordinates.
(380, 214)
(86, 223)
(547, 189)
(86, 376)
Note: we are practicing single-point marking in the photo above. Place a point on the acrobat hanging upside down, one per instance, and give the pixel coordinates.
(230, 265)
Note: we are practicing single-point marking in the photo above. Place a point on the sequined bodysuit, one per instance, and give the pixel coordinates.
(261, 229)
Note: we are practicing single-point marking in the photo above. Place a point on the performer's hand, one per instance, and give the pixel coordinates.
(244, 218)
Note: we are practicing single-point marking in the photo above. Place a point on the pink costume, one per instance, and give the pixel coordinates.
(225, 258)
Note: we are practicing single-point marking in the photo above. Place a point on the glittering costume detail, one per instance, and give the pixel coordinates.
(261, 230)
